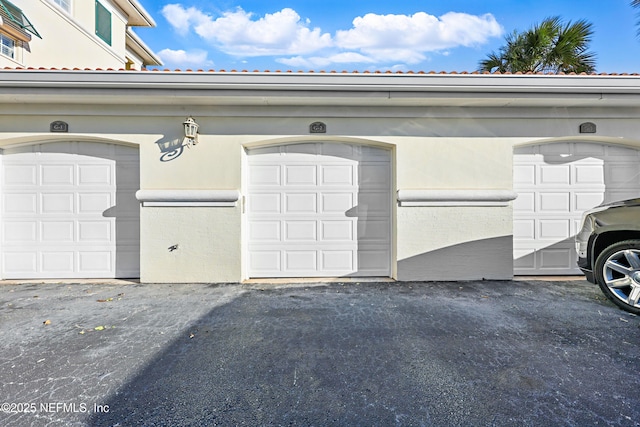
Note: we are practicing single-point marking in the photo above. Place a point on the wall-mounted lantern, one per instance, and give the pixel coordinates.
(190, 131)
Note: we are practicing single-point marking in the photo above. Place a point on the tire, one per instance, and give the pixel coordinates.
(617, 271)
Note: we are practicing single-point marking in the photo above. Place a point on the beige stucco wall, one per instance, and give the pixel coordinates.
(469, 152)
(423, 233)
(69, 41)
(190, 244)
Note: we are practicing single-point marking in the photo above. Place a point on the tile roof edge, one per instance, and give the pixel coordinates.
(377, 72)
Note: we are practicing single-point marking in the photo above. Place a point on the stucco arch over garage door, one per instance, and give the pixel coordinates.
(69, 211)
(556, 182)
(319, 209)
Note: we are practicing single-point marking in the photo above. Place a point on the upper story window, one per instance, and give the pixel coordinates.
(7, 46)
(16, 19)
(103, 23)
(64, 4)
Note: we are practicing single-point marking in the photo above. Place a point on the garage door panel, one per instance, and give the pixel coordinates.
(556, 149)
(55, 150)
(554, 228)
(265, 203)
(556, 183)
(93, 262)
(301, 260)
(16, 231)
(94, 202)
(264, 231)
(555, 175)
(616, 195)
(97, 150)
(373, 203)
(524, 229)
(370, 153)
(19, 175)
(57, 175)
(554, 202)
(95, 231)
(337, 230)
(20, 203)
(343, 151)
(525, 260)
(374, 175)
(525, 202)
(20, 263)
(622, 152)
(127, 231)
(624, 174)
(264, 175)
(298, 203)
(333, 198)
(338, 203)
(300, 175)
(265, 262)
(90, 175)
(127, 176)
(57, 203)
(374, 230)
(556, 259)
(374, 261)
(300, 231)
(63, 215)
(126, 205)
(524, 174)
(337, 175)
(337, 260)
(57, 231)
(584, 201)
(589, 175)
(300, 151)
(57, 261)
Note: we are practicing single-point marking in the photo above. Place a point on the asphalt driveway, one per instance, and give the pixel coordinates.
(490, 353)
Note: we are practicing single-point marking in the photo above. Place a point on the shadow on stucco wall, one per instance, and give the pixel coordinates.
(475, 260)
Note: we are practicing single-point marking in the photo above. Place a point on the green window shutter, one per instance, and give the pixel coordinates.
(103, 23)
(16, 17)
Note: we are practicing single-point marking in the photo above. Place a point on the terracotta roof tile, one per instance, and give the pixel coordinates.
(188, 70)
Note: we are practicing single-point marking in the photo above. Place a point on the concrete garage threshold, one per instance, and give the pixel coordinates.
(478, 353)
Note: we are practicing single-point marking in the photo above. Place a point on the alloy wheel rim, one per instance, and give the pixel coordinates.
(621, 274)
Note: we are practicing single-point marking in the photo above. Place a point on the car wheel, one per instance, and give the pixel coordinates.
(617, 271)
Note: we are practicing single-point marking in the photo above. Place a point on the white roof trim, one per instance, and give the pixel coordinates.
(233, 88)
(137, 15)
(137, 46)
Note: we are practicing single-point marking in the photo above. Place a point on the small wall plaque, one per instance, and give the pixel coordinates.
(317, 127)
(59, 126)
(588, 127)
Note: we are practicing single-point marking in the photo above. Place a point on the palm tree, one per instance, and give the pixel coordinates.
(550, 46)
(636, 3)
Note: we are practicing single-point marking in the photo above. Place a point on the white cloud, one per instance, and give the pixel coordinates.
(315, 62)
(236, 33)
(373, 38)
(407, 37)
(181, 57)
(182, 19)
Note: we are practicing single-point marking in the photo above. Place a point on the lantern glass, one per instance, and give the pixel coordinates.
(190, 128)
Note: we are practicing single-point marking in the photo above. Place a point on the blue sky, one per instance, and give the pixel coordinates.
(371, 35)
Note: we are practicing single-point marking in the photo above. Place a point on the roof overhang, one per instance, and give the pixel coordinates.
(139, 48)
(137, 15)
(318, 89)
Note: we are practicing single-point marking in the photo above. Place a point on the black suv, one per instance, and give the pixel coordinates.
(608, 246)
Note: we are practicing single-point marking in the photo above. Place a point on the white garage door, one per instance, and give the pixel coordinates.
(555, 184)
(69, 211)
(319, 210)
